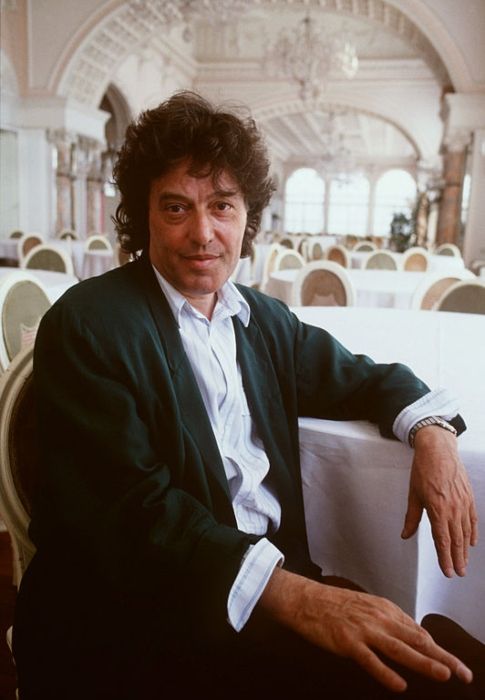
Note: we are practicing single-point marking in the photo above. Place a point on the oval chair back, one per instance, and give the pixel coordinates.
(23, 302)
(322, 283)
(338, 254)
(46, 257)
(315, 250)
(381, 260)
(27, 242)
(19, 460)
(98, 242)
(466, 297)
(68, 235)
(288, 260)
(448, 249)
(269, 263)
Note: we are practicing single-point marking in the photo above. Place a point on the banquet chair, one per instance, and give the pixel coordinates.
(350, 241)
(431, 289)
(16, 234)
(315, 250)
(302, 247)
(46, 257)
(338, 254)
(98, 242)
(27, 242)
(269, 263)
(286, 241)
(322, 283)
(380, 260)
(23, 302)
(288, 260)
(448, 249)
(466, 297)
(415, 259)
(364, 247)
(68, 235)
(19, 458)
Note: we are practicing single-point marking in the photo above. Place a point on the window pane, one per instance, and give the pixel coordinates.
(349, 204)
(395, 194)
(304, 198)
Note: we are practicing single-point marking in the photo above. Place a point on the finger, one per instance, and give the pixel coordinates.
(459, 547)
(420, 640)
(442, 540)
(413, 517)
(474, 525)
(376, 668)
(413, 659)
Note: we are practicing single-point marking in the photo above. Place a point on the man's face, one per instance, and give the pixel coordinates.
(196, 232)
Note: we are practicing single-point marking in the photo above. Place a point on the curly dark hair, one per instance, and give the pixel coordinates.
(214, 140)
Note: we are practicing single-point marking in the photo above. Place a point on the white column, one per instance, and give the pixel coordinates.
(35, 168)
(474, 243)
(465, 114)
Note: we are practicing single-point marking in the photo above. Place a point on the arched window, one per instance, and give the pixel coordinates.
(304, 197)
(349, 205)
(395, 194)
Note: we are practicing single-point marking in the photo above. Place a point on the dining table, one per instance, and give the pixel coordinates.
(54, 283)
(373, 288)
(355, 481)
(9, 248)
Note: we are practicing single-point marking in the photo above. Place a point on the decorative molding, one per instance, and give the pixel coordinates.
(95, 60)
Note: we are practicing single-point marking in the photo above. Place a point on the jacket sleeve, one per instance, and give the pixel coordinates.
(323, 379)
(108, 492)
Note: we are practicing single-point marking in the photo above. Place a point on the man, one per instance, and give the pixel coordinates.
(171, 550)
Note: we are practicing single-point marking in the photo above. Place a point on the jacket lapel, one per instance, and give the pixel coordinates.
(192, 410)
(266, 405)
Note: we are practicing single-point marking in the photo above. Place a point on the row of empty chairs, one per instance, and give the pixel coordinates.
(355, 244)
(326, 283)
(280, 257)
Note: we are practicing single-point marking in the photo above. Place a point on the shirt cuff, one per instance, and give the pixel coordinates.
(255, 572)
(439, 402)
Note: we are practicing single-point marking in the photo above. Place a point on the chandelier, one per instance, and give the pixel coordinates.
(184, 12)
(336, 158)
(307, 55)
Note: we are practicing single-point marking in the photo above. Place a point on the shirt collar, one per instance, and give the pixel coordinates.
(228, 297)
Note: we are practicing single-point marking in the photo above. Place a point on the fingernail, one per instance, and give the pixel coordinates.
(461, 572)
(449, 572)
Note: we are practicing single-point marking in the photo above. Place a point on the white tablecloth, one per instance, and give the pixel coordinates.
(96, 262)
(376, 288)
(355, 482)
(55, 283)
(9, 248)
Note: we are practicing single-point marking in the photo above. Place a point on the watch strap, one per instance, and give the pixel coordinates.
(430, 420)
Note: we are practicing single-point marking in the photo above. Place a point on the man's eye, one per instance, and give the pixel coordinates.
(175, 208)
(223, 206)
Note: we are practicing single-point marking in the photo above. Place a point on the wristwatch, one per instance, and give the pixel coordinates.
(430, 420)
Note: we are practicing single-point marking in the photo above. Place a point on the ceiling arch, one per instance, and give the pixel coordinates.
(93, 55)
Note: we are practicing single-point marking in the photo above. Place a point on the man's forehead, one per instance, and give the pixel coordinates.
(220, 179)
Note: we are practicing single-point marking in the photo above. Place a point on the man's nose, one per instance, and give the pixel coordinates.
(201, 228)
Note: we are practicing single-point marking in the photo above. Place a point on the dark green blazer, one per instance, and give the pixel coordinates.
(133, 501)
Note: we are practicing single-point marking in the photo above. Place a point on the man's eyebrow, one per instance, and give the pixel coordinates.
(163, 196)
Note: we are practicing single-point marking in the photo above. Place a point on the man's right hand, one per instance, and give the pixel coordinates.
(357, 625)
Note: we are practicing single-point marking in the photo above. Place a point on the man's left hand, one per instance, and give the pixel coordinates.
(440, 484)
